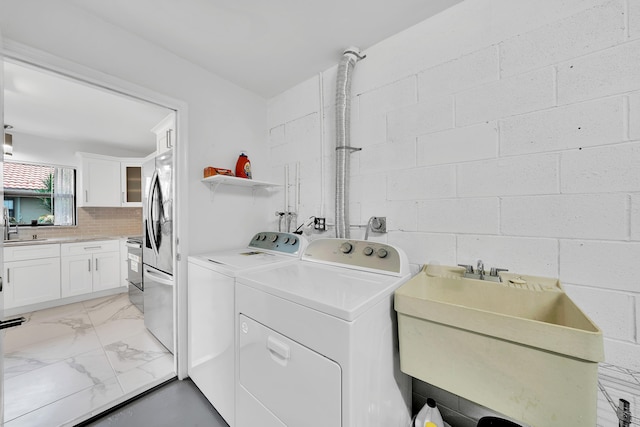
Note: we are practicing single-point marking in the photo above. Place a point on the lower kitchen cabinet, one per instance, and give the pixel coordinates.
(106, 273)
(31, 281)
(89, 267)
(46, 273)
(31, 274)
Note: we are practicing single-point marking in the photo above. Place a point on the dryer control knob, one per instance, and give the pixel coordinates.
(274, 238)
(293, 241)
(367, 251)
(382, 253)
(346, 247)
(286, 240)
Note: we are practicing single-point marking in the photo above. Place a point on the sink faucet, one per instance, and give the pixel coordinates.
(7, 226)
(480, 269)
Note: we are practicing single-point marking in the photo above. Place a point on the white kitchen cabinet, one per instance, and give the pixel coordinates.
(100, 182)
(106, 273)
(165, 134)
(90, 267)
(131, 183)
(77, 275)
(32, 274)
(109, 181)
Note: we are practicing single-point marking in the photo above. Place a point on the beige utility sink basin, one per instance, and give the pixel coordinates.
(519, 346)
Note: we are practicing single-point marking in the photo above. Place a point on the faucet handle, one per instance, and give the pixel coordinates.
(468, 268)
(494, 271)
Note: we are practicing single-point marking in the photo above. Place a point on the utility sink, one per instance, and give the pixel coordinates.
(519, 346)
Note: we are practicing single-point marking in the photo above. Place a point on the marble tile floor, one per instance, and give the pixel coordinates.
(68, 361)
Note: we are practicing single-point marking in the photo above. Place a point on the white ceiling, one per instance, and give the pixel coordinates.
(265, 46)
(51, 106)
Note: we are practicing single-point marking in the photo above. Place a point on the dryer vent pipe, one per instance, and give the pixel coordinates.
(343, 130)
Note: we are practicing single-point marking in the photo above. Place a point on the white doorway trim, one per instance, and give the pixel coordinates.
(85, 75)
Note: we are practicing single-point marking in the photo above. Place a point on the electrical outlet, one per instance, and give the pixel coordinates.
(319, 224)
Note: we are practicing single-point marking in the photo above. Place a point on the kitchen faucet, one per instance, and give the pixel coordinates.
(7, 226)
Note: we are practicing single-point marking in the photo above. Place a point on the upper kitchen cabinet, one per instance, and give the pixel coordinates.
(100, 181)
(109, 181)
(131, 183)
(165, 134)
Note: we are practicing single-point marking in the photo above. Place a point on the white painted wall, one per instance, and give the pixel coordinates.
(506, 131)
(223, 118)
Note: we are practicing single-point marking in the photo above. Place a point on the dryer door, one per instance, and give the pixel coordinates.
(297, 385)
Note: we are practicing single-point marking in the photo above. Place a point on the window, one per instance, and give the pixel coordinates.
(39, 194)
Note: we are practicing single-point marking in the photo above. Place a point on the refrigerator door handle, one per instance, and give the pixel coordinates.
(150, 228)
(156, 277)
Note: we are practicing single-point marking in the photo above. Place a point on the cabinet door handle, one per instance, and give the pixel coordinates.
(88, 265)
(96, 264)
(169, 140)
(122, 198)
(86, 248)
(8, 276)
(86, 196)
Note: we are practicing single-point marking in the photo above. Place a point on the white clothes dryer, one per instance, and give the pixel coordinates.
(211, 290)
(317, 339)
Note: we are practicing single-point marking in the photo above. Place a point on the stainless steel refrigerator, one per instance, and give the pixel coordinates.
(157, 250)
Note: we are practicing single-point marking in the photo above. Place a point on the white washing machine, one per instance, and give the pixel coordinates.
(317, 339)
(211, 327)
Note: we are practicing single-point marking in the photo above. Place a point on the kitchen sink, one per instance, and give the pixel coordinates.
(24, 240)
(520, 346)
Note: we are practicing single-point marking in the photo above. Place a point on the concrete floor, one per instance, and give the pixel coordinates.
(178, 403)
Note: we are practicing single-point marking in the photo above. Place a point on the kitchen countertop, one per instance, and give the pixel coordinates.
(56, 240)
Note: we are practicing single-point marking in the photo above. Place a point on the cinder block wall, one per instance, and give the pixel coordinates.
(506, 131)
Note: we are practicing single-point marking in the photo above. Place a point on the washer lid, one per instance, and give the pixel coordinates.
(340, 292)
(234, 261)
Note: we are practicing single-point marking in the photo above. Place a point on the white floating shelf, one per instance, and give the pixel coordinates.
(233, 180)
(216, 180)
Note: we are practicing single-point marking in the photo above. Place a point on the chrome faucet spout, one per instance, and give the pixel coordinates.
(480, 269)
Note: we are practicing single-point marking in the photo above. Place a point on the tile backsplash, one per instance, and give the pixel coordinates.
(108, 222)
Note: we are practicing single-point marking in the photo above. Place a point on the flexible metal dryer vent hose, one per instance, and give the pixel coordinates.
(343, 130)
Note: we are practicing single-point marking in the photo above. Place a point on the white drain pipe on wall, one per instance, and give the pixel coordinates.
(343, 128)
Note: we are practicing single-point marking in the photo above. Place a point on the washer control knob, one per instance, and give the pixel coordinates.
(293, 241)
(367, 251)
(274, 238)
(382, 253)
(346, 247)
(286, 240)
(262, 237)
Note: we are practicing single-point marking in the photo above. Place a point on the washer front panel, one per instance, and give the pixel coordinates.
(299, 386)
